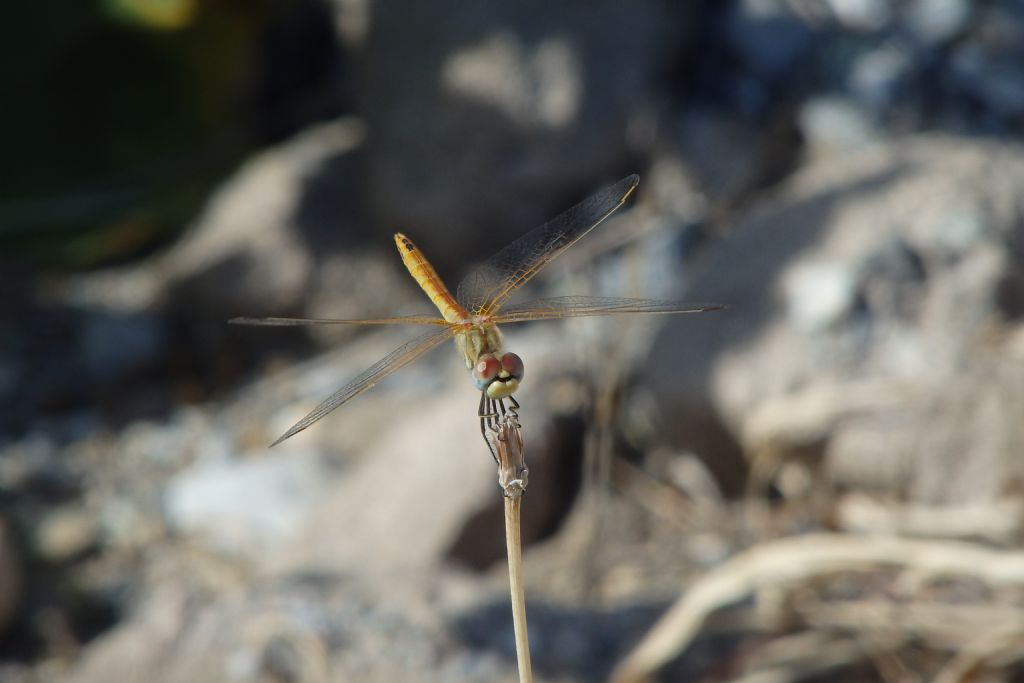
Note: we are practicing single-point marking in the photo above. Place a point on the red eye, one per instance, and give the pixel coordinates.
(513, 365)
(486, 368)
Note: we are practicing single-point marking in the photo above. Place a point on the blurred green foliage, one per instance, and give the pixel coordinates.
(118, 116)
(170, 14)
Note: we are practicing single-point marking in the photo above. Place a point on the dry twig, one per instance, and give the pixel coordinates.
(1000, 521)
(799, 560)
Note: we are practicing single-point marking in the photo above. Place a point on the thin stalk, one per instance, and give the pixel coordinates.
(515, 580)
(507, 444)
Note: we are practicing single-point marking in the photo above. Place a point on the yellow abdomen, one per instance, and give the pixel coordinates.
(425, 275)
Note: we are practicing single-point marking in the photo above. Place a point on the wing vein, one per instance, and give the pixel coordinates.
(291, 322)
(397, 359)
(486, 289)
(582, 306)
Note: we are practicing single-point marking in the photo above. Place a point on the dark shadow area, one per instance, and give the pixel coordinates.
(555, 476)
(586, 644)
(446, 154)
(117, 131)
(56, 610)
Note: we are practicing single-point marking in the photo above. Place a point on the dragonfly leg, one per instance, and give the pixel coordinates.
(487, 416)
(497, 413)
(510, 414)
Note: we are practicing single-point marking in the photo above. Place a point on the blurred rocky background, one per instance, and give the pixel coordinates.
(824, 482)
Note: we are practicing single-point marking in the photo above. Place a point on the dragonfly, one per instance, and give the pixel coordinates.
(480, 305)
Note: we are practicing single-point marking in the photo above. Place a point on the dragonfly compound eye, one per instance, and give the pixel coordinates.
(486, 370)
(510, 372)
(513, 365)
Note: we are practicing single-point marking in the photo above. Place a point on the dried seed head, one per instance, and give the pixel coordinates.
(513, 474)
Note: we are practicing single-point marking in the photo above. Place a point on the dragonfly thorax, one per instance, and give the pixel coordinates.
(494, 372)
(475, 339)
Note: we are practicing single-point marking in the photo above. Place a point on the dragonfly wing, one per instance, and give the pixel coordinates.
(489, 286)
(291, 322)
(580, 306)
(395, 360)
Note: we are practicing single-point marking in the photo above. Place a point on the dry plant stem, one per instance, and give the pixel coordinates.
(795, 560)
(1003, 649)
(513, 476)
(515, 580)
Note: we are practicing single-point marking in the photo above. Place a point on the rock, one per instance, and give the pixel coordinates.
(732, 157)
(33, 466)
(862, 15)
(884, 267)
(66, 533)
(835, 125)
(937, 21)
(127, 289)
(247, 505)
(114, 344)
(819, 295)
(135, 651)
(314, 627)
(992, 80)
(445, 106)
(986, 67)
(880, 77)
(415, 485)
(256, 247)
(768, 36)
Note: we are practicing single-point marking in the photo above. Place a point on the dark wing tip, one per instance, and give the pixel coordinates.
(628, 186)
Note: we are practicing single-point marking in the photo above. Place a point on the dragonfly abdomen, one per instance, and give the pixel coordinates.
(426, 277)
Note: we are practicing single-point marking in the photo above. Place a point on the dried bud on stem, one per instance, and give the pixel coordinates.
(507, 442)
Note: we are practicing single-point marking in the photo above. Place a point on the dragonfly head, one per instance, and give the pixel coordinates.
(499, 377)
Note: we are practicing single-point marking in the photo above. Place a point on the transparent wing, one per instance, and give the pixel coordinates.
(398, 358)
(580, 306)
(489, 286)
(289, 322)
